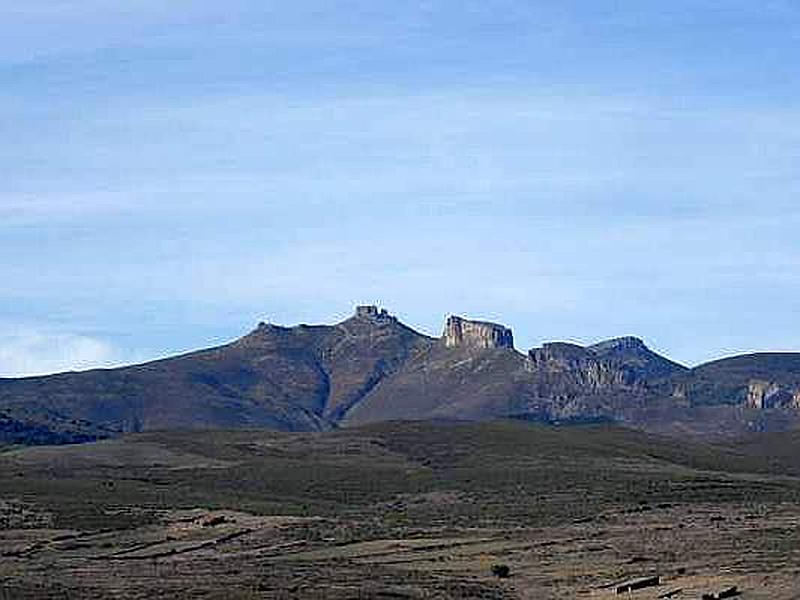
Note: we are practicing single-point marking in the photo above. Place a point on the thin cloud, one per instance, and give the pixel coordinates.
(27, 351)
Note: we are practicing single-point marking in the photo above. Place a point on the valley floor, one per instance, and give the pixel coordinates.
(398, 511)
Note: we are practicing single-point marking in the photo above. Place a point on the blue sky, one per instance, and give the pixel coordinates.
(173, 172)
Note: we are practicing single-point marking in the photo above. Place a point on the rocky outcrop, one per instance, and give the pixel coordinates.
(759, 393)
(622, 345)
(617, 363)
(765, 394)
(578, 366)
(460, 332)
(632, 356)
(559, 356)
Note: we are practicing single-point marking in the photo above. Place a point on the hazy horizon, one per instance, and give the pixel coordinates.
(173, 174)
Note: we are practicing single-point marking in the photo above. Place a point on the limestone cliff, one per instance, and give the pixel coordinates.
(460, 332)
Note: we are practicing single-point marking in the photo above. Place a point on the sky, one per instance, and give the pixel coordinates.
(171, 173)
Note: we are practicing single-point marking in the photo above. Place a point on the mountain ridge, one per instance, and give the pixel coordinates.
(371, 367)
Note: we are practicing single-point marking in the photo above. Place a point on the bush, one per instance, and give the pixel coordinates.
(501, 571)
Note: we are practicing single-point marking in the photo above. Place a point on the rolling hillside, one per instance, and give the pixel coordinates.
(400, 510)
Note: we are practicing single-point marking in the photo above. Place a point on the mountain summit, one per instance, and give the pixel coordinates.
(371, 367)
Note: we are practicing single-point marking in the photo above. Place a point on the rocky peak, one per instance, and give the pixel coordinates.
(577, 367)
(560, 355)
(620, 345)
(624, 361)
(476, 334)
(632, 355)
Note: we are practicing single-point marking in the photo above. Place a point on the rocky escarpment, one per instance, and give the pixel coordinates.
(619, 362)
(460, 332)
(578, 366)
(767, 394)
(638, 362)
(612, 379)
(762, 382)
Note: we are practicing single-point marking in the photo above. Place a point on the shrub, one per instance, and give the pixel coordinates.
(501, 571)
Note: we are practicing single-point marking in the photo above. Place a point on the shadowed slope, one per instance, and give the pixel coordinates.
(763, 380)
(298, 378)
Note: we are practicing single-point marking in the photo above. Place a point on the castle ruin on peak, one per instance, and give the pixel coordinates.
(372, 312)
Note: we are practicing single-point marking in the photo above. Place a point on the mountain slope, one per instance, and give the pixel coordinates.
(372, 368)
(639, 363)
(297, 378)
(362, 353)
(766, 380)
(449, 383)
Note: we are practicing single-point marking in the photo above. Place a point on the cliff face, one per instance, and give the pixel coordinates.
(578, 366)
(638, 363)
(460, 332)
(767, 394)
(620, 362)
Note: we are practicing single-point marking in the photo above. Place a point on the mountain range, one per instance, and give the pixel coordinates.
(372, 368)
